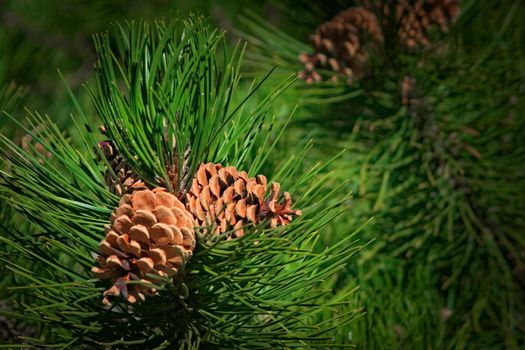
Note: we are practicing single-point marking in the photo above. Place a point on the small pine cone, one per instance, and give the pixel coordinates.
(150, 233)
(407, 87)
(127, 181)
(28, 143)
(415, 19)
(227, 199)
(342, 45)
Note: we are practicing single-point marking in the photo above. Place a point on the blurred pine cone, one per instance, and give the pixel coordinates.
(407, 87)
(227, 199)
(342, 45)
(416, 18)
(28, 143)
(150, 233)
(126, 180)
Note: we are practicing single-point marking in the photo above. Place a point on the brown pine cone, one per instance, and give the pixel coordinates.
(150, 233)
(407, 86)
(227, 199)
(27, 143)
(127, 181)
(342, 45)
(415, 19)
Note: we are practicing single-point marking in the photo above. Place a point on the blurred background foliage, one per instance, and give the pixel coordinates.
(443, 177)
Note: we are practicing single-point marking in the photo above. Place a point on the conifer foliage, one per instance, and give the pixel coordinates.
(166, 205)
(434, 135)
(169, 277)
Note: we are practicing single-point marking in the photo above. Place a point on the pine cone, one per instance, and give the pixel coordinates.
(342, 45)
(27, 143)
(150, 233)
(407, 87)
(415, 19)
(227, 199)
(127, 181)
